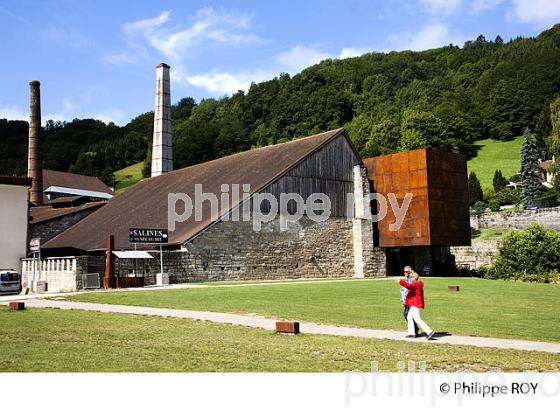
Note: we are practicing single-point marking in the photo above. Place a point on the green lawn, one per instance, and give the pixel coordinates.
(489, 234)
(482, 307)
(493, 155)
(80, 341)
(264, 282)
(126, 177)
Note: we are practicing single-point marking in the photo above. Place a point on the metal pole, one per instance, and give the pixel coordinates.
(39, 253)
(33, 266)
(161, 260)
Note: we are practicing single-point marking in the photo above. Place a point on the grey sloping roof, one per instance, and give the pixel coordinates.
(13, 180)
(40, 214)
(75, 181)
(145, 204)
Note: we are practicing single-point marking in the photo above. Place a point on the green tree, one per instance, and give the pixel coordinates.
(553, 141)
(147, 166)
(423, 130)
(499, 182)
(543, 129)
(373, 138)
(530, 174)
(475, 189)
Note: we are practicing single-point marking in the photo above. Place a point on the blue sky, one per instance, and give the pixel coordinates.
(96, 59)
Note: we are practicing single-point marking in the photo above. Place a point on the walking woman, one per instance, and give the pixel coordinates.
(415, 301)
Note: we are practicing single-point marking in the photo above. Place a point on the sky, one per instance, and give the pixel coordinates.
(96, 59)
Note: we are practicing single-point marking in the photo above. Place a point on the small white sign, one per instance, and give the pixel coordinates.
(35, 245)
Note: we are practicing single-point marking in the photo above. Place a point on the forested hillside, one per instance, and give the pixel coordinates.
(446, 98)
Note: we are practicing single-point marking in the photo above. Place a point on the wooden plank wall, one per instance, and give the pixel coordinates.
(329, 170)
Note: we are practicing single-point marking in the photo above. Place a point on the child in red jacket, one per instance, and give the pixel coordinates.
(415, 299)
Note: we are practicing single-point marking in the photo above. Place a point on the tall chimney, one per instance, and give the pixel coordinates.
(162, 150)
(34, 165)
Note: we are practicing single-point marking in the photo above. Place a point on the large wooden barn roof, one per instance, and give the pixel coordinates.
(145, 204)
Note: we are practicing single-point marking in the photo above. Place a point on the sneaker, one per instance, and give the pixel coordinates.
(429, 337)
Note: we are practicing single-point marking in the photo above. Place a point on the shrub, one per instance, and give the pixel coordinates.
(499, 182)
(548, 198)
(475, 189)
(479, 207)
(494, 204)
(532, 254)
(509, 196)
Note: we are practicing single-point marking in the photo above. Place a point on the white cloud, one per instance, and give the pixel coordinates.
(207, 26)
(71, 109)
(300, 57)
(538, 12)
(441, 6)
(292, 61)
(175, 42)
(107, 116)
(16, 17)
(430, 36)
(13, 113)
(118, 59)
(354, 51)
(479, 6)
(147, 23)
(68, 36)
(222, 83)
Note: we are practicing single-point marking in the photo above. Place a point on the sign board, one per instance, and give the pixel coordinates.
(147, 235)
(35, 245)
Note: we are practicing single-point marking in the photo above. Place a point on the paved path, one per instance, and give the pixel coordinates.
(305, 327)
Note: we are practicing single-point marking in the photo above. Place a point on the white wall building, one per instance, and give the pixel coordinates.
(14, 203)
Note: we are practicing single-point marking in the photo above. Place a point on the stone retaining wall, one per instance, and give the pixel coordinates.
(234, 251)
(549, 217)
(481, 253)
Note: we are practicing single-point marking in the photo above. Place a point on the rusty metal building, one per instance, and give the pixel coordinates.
(438, 214)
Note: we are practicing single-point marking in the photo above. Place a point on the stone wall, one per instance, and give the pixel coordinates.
(481, 253)
(549, 217)
(234, 251)
(368, 260)
(49, 229)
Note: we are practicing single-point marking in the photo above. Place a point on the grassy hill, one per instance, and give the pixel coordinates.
(126, 177)
(493, 155)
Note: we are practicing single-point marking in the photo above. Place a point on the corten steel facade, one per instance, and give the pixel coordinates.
(438, 214)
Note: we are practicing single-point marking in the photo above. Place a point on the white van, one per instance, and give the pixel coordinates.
(10, 281)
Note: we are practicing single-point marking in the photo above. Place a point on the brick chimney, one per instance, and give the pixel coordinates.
(162, 150)
(34, 165)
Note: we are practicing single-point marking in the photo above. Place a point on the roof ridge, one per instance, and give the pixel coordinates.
(295, 140)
